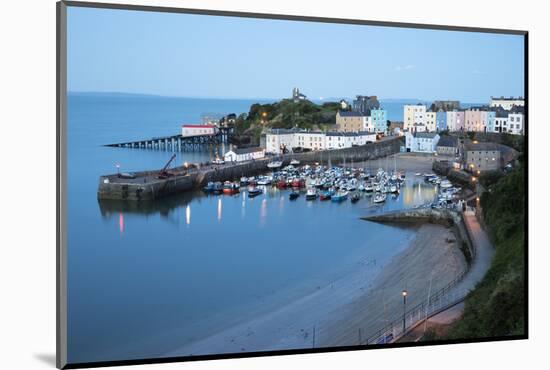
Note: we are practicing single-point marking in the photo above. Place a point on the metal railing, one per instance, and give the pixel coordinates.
(444, 298)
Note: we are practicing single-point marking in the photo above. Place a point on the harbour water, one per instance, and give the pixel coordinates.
(146, 279)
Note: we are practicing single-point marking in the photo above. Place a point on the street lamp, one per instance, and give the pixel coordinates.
(404, 293)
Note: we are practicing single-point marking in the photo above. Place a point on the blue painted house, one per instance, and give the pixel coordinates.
(379, 119)
(441, 120)
(490, 127)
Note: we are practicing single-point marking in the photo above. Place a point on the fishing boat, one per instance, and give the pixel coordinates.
(294, 162)
(244, 181)
(369, 188)
(281, 184)
(326, 195)
(230, 188)
(218, 188)
(293, 195)
(298, 183)
(379, 198)
(208, 188)
(311, 194)
(340, 196)
(274, 164)
(355, 198)
(254, 191)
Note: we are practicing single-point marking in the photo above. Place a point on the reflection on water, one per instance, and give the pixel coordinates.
(417, 192)
(220, 208)
(263, 212)
(188, 214)
(121, 223)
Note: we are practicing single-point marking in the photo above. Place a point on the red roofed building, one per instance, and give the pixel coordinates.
(197, 130)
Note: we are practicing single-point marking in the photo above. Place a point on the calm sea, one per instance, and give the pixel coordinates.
(145, 279)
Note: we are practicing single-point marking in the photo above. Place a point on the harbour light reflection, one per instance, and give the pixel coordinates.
(121, 223)
(219, 209)
(263, 212)
(188, 215)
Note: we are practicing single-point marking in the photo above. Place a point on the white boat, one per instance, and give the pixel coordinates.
(274, 164)
(393, 189)
(379, 198)
(294, 162)
(266, 180)
(311, 194)
(446, 184)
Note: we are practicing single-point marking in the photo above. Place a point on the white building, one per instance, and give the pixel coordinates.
(244, 154)
(197, 130)
(413, 115)
(279, 141)
(421, 142)
(507, 103)
(515, 123)
(501, 124)
(340, 140)
(313, 140)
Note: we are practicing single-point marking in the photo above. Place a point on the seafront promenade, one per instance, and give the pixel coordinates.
(445, 305)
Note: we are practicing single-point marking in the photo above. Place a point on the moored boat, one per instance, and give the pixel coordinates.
(254, 191)
(208, 188)
(218, 188)
(281, 184)
(355, 198)
(294, 195)
(311, 194)
(274, 164)
(230, 188)
(326, 195)
(340, 196)
(379, 198)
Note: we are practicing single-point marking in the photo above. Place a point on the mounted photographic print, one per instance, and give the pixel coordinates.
(236, 184)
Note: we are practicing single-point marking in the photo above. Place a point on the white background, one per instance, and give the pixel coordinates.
(27, 186)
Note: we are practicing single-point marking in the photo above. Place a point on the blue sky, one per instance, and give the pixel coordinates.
(211, 56)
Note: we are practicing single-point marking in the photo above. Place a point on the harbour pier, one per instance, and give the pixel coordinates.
(178, 142)
(146, 185)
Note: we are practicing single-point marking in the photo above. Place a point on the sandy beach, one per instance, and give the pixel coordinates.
(356, 304)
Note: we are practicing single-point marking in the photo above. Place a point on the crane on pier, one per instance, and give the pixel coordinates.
(164, 174)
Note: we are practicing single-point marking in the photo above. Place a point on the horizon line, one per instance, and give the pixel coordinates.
(328, 99)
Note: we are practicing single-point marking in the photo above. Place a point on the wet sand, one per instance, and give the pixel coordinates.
(409, 162)
(365, 298)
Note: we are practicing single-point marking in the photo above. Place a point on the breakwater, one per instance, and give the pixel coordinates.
(147, 186)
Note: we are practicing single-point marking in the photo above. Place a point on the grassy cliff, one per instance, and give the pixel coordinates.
(496, 306)
(285, 114)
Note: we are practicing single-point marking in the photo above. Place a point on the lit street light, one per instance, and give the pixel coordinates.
(404, 293)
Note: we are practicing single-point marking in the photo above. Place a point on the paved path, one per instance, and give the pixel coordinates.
(481, 264)
(442, 319)
(484, 253)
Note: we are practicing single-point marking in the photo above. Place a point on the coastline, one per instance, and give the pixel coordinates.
(364, 298)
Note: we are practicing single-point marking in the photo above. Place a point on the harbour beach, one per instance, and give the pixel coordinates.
(349, 308)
